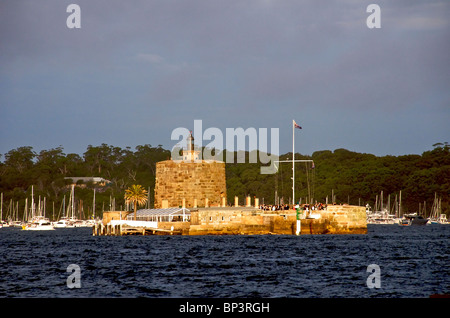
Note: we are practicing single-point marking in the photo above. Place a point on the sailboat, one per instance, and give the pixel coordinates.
(382, 214)
(63, 223)
(38, 220)
(66, 221)
(443, 219)
(436, 216)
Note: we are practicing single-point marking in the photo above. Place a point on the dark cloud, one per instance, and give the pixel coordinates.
(134, 72)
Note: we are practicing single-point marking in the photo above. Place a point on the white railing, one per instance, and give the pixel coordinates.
(149, 224)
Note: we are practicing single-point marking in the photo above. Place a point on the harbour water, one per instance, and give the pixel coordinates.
(413, 262)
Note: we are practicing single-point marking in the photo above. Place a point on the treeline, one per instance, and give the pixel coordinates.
(341, 176)
(47, 171)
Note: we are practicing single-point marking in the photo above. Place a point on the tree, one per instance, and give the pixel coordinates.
(104, 157)
(137, 195)
(20, 159)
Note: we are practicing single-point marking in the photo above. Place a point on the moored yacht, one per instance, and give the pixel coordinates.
(443, 219)
(38, 224)
(63, 223)
(415, 219)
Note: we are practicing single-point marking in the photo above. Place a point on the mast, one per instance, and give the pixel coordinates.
(396, 206)
(293, 162)
(73, 200)
(93, 207)
(389, 204)
(424, 208)
(381, 202)
(25, 214)
(32, 203)
(68, 206)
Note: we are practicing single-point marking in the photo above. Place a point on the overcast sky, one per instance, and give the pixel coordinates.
(136, 70)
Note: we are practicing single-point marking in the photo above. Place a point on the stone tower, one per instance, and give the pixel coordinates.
(190, 182)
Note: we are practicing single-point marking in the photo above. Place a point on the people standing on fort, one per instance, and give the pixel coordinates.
(274, 207)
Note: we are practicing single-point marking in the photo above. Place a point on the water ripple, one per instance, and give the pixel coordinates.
(413, 262)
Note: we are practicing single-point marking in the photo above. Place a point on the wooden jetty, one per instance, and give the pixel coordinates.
(99, 229)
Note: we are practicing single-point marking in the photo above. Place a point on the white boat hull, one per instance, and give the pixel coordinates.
(58, 226)
(40, 228)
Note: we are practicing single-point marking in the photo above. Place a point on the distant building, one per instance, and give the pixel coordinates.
(95, 180)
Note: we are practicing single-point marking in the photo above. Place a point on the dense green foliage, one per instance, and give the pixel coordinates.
(353, 178)
(47, 170)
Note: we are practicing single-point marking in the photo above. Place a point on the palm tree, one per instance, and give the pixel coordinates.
(136, 194)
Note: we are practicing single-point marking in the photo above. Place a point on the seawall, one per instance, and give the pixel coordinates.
(339, 219)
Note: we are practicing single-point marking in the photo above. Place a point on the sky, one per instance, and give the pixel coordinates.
(135, 71)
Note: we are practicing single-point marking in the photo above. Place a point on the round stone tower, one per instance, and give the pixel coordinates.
(190, 182)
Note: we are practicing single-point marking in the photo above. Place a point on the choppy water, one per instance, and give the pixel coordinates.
(414, 262)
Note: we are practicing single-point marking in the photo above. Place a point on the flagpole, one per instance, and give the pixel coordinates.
(299, 224)
(293, 165)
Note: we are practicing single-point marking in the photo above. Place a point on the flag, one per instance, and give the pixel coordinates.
(296, 126)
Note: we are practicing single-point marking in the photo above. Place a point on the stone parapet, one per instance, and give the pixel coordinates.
(240, 220)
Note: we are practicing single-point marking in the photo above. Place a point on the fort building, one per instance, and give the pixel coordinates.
(190, 199)
(190, 182)
(243, 220)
